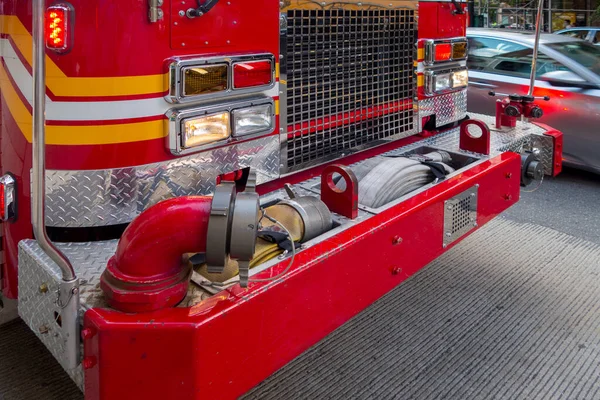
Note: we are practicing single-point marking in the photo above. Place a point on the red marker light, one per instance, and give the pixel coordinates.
(252, 74)
(57, 28)
(443, 51)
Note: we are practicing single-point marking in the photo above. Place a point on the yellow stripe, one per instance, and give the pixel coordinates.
(420, 54)
(61, 85)
(79, 135)
(420, 80)
(276, 107)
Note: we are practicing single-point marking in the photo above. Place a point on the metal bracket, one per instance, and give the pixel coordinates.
(155, 12)
(68, 303)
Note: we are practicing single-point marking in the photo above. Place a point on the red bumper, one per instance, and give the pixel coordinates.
(224, 346)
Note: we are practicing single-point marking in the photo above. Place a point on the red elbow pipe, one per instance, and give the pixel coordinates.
(147, 272)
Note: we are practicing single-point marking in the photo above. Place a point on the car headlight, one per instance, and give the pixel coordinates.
(197, 131)
(248, 121)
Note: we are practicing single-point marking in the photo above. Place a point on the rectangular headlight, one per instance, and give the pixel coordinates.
(205, 79)
(197, 131)
(460, 79)
(442, 82)
(251, 120)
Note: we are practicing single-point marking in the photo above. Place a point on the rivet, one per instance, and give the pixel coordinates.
(183, 44)
(396, 270)
(206, 43)
(235, 22)
(175, 23)
(182, 13)
(508, 175)
(43, 329)
(448, 234)
(396, 240)
(88, 362)
(44, 288)
(87, 333)
(507, 197)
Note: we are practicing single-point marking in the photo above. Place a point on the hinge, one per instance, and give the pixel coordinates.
(155, 13)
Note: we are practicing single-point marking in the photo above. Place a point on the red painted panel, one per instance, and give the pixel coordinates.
(438, 20)
(115, 37)
(222, 347)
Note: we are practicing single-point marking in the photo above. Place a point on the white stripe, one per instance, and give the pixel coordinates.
(86, 110)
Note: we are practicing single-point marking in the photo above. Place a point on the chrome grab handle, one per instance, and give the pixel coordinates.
(68, 292)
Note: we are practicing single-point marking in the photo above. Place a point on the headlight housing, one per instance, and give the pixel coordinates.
(439, 51)
(438, 82)
(196, 129)
(202, 79)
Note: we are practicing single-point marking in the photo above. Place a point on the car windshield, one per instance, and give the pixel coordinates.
(581, 52)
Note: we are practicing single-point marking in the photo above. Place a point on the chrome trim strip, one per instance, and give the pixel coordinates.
(176, 117)
(283, 123)
(177, 96)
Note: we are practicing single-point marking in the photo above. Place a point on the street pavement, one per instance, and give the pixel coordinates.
(511, 312)
(569, 203)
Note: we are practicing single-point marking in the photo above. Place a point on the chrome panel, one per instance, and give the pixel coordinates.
(447, 108)
(116, 196)
(39, 283)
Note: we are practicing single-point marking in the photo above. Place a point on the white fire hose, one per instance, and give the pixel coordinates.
(391, 178)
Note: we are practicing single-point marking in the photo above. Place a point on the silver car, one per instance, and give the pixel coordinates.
(568, 70)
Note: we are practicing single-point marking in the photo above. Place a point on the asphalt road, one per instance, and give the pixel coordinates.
(569, 203)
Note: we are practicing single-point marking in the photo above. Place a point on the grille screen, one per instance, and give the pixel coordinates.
(350, 80)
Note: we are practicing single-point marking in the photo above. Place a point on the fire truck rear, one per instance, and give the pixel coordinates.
(196, 191)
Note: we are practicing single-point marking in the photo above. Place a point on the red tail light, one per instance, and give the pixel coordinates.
(252, 74)
(57, 28)
(443, 51)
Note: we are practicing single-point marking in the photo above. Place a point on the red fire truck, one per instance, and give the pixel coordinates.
(194, 192)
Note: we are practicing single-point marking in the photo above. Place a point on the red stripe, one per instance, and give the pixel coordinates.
(106, 122)
(334, 121)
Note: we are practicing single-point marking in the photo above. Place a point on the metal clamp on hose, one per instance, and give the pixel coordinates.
(232, 228)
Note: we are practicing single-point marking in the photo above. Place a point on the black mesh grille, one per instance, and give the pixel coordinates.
(350, 80)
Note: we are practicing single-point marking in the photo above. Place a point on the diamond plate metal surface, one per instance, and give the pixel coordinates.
(460, 215)
(39, 279)
(116, 196)
(447, 108)
(525, 136)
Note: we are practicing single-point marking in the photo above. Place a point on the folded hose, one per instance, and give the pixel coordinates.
(392, 178)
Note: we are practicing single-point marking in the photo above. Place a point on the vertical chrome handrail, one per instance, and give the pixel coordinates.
(38, 141)
(536, 46)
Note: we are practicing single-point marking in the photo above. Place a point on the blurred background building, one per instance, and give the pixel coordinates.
(520, 14)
